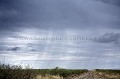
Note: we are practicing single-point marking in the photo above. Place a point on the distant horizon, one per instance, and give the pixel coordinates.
(30, 65)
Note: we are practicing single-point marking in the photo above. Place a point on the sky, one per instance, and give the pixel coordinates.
(73, 34)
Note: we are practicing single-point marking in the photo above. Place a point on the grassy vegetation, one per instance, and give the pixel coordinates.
(60, 72)
(108, 71)
(16, 72)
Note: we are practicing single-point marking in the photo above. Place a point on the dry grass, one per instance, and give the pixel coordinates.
(110, 74)
(48, 77)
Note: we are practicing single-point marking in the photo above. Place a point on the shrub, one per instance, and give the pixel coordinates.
(15, 72)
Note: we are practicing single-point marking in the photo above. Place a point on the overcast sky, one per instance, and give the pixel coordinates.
(60, 18)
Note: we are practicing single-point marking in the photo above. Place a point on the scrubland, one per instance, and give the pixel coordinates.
(17, 72)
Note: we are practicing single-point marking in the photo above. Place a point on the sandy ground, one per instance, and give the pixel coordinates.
(88, 75)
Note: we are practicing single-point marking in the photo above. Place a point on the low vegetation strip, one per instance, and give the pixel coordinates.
(17, 72)
(108, 71)
(60, 72)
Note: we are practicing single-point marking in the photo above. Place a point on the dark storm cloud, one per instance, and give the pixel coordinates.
(20, 48)
(114, 2)
(89, 17)
(14, 49)
(109, 38)
(57, 14)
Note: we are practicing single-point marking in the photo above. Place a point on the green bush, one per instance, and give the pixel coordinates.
(108, 71)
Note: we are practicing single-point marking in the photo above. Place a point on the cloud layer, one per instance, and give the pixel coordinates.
(61, 18)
